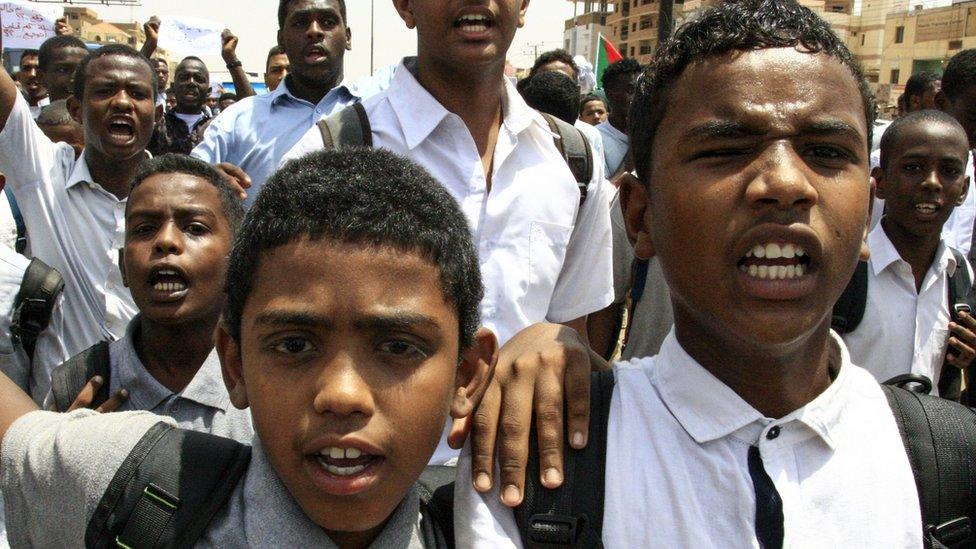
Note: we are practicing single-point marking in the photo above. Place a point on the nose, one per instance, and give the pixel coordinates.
(169, 240)
(932, 182)
(341, 389)
(122, 101)
(781, 180)
(315, 32)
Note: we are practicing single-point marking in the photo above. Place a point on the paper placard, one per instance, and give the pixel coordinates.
(25, 25)
(191, 36)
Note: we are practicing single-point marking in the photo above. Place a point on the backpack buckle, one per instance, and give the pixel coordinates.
(962, 308)
(555, 529)
(952, 532)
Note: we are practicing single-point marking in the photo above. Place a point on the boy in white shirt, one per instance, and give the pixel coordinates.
(907, 324)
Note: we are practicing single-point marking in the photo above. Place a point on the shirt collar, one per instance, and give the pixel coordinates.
(273, 517)
(80, 174)
(282, 93)
(708, 410)
(884, 254)
(206, 387)
(419, 113)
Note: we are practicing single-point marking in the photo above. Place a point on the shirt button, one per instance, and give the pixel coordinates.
(772, 433)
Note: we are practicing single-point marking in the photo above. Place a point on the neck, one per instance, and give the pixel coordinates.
(618, 121)
(310, 91)
(113, 174)
(474, 95)
(187, 109)
(174, 354)
(774, 381)
(918, 251)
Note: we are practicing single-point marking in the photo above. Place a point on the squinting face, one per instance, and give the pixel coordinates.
(59, 74)
(118, 110)
(464, 34)
(594, 112)
(759, 196)
(177, 241)
(925, 178)
(349, 364)
(277, 71)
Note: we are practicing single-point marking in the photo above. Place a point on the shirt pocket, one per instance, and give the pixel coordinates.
(547, 253)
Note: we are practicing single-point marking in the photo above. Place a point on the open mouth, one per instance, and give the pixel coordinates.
(168, 282)
(344, 471)
(315, 54)
(473, 24)
(928, 209)
(121, 131)
(775, 261)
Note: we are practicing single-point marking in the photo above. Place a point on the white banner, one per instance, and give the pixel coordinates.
(25, 25)
(191, 36)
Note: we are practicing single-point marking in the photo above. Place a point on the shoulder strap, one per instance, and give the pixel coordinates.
(960, 300)
(21, 243)
(572, 515)
(39, 291)
(940, 440)
(167, 490)
(574, 147)
(68, 379)
(436, 490)
(849, 309)
(346, 128)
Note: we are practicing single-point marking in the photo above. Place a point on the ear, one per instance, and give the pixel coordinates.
(474, 373)
(914, 103)
(405, 9)
(865, 253)
(522, 10)
(159, 113)
(877, 178)
(231, 366)
(74, 108)
(965, 192)
(636, 207)
(125, 278)
(348, 38)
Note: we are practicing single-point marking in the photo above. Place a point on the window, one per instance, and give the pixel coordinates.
(955, 44)
(895, 73)
(863, 36)
(899, 35)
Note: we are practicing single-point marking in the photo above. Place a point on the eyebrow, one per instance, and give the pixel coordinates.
(398, 320)
(833, 127)
(721, 129)
(179, 211)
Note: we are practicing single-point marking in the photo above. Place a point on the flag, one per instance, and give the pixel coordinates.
(606, 56)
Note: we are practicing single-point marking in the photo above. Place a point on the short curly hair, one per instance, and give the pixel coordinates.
(732, 26)
(552, 56)
(362, 196)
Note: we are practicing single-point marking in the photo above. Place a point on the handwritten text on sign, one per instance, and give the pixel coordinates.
(190, 36)
(27, 25)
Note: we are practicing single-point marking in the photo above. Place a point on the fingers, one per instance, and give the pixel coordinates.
(87, 394)
(236, 177)
(549, 428)
(514, 426)
(484, 431)
(963, 340)
(578, 399)
(114, 402)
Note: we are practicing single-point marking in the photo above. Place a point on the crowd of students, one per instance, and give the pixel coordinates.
(380, 314)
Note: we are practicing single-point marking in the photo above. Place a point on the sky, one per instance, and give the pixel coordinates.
(255, 23)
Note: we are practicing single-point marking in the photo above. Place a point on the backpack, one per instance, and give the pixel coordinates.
(34, 303)
(350, 127)
(939, 437)
(175, 481)
(68, 379)
(849, 311)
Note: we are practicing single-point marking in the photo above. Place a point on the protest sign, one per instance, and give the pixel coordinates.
(25, 25)
(190, 36)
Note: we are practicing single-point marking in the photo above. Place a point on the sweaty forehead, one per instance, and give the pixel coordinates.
(118, 65)
(312, 5)
(174, 191)
(768, 89)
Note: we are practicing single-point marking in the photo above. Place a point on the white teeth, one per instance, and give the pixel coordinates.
(341, 453)
(927, 208)
(790, 271)
(753, 270)
(169, 287)
(800, 252)
(342, 471)
(759, 251)
(799, 270)
(789, 252)
(763, 271)
(336, 453)
(774, 272)
(773, 251)
(781, 271)
(353, 453)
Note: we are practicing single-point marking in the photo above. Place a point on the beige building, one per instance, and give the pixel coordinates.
(91, 29)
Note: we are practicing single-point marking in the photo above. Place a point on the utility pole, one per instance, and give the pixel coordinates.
(535, 50)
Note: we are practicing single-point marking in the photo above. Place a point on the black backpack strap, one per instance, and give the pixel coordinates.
(39, 291)
(940, 440)
(849, 309)
(572, 515)
(436, 489)
(575, 149)
(167, 490)
(68, 379)
(347, 128)
(960, 300)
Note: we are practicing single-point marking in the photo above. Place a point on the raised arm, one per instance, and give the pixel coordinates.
(8, 95)
(242, 85)
(151, 28)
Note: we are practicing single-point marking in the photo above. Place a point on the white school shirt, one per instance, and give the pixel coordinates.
(958, 229)
(75, 226)
(615, 145)
(677, 472)
(903, 330)
(543, 258)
